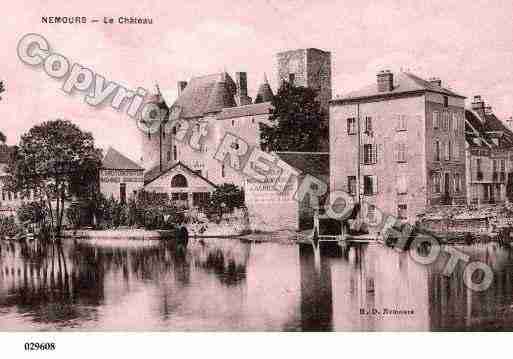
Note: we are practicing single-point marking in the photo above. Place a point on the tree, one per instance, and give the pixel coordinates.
(56, 160)
(225, 199)
(296, 122)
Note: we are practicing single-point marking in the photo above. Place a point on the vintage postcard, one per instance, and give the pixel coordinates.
(224, 166)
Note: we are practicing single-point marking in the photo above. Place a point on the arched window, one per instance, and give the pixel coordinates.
(179, 181)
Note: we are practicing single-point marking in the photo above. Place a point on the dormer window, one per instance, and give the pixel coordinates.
(446, 101)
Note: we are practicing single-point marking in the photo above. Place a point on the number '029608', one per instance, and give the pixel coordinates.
(39, 346)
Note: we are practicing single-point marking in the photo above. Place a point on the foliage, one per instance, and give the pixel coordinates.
(33, 212)
(8, 227)
(296, 123)
(2, 88)
(57, 160)
(224, 199)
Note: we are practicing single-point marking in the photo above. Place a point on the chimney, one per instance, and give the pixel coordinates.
(241, 80)
(435, 81)
(181, 85)
(477, 103)
(385, 81)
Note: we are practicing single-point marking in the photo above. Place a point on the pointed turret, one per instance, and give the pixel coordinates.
(265, 93)
(221, 95)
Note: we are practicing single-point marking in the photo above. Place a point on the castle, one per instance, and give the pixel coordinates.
(207, 109)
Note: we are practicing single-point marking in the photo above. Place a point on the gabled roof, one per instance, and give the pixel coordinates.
(206, 94)
(316, 164)
(115, 160)
(404, 83)
(248, 110)
(155, 172)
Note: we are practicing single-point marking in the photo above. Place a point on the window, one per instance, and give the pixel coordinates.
(179, 196)
(457, 183)
(448, 149)
(179, 181)
(163, 134)
(351, 126)
(174, 130)
(479, 172)
(252, 120)
(15, 195)
(122, 192)
(292, 77)
(371, 213)
(401, 122)
(402, 184)
(402, 211)
(351, 185)
(455, 122)
(222, 170)
(370, 154)
(168, 156)
(436, 120)
(233, 123)
(368, 124)
(437, 150)
(370, 185)
(401, 152)
(200, 199)
(436, 183)
(445, 147)
(446, 101)
(3, 195)
(175, 153)
(456, 150)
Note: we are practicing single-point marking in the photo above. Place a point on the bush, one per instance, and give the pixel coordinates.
(8, 227)
(225, 199)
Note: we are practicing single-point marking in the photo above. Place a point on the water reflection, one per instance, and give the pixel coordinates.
(222, 284)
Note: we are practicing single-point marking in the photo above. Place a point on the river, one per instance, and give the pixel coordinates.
(230, 285)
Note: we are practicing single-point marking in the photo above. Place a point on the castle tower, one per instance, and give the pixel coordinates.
(307, 68)
(265, 93)
(157, 145)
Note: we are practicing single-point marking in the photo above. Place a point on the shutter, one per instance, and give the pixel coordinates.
(362, 154)
(348, 125)
(396, 152)
(375, 154)
(374, 184)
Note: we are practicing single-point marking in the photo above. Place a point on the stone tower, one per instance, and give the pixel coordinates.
(308, 68)
(157, 144)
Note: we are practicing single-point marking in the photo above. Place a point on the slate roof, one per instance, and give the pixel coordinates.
(316, 164)
(206, 94)
(248, 110)
(404, 83)
(115, 160)
(264, 93)
(486, 128)
(155, 172)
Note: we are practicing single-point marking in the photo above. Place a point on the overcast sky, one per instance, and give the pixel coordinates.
(468, 44)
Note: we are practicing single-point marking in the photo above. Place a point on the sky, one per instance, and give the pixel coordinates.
(468, 44)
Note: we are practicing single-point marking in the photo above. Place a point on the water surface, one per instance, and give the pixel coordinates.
(227, 285)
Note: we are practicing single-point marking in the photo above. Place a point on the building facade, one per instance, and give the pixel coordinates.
(211, 108)
(398, 145)
(489, 155)
(120, 177)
